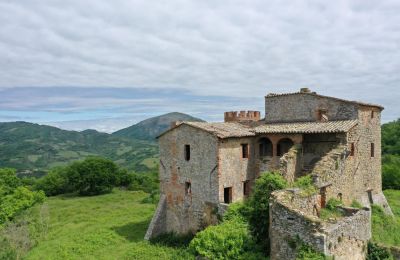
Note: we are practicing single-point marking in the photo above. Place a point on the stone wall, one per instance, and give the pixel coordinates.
(293, 221)
(158, 223)
(189, 211)
(233, 169)
(305, 107)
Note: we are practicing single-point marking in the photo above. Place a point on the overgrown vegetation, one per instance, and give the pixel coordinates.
(376, 252)
(258, 205)
(385, 228)
(306, 185)
(14, 196)
(331, 210)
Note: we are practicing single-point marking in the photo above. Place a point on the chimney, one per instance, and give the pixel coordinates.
(305, 90)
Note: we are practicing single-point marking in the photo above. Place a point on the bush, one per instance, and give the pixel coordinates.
(333, 203)
(391, 172)
(258, 205)
(14, 197)
(228, 240)
(376, 252)
(306, 252)
(356, 204)
(237, 211)
(54, 183)
(144, 182)
(92, 176)
(306, 184)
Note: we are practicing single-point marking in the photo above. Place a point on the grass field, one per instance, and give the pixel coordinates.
(109, 226)
(112, 226)
(386, 229)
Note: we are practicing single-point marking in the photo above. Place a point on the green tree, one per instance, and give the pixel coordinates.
(93, 176)
(391, 172)
(55, 182)
(258, 205)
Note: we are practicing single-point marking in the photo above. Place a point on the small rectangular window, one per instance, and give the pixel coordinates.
(228, 195)
(372, 114)
(187, 152)
(372, 149)
(188, 188)
(245, 151)
(352, 149)
(246, 188)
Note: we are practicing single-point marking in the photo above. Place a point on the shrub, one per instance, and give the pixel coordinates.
(356, 204)
(144, 182)
(54, 183)
(258, 205)
(376, 252)
(306, 184)
(228, 240)
(306, 252)
(92, 176)
(237, 211)
(14, 197)
(333, 203)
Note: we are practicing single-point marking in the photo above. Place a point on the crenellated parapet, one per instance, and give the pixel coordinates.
(235, 116)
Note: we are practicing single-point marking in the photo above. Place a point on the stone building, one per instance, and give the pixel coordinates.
(205, 166)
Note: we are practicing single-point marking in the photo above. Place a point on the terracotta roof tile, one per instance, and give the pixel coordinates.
(224, 130)
(306, 127)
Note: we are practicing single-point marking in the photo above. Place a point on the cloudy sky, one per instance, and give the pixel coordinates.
(107, 64)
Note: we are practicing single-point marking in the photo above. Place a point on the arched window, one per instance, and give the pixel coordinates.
(265, 147)
(284, 145)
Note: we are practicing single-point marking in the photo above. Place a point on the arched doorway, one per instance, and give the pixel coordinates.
(284, 145)
(265, 147)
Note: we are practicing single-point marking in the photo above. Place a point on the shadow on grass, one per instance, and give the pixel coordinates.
(133, 231)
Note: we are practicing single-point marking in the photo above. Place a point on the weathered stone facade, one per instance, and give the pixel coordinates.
(204, 166)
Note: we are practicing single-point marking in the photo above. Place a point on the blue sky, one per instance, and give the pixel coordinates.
(108, 64)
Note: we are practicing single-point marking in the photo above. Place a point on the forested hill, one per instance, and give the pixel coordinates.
(391, 138)
(150, 128)
(33, 147)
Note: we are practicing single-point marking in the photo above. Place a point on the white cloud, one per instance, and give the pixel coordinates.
(229, 48)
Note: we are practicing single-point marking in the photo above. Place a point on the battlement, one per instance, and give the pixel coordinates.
(235, 116)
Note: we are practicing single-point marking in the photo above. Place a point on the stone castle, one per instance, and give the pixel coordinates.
(206, 166)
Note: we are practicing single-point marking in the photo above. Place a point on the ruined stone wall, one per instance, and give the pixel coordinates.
(304, 107)
(189, 211)
(293, 221)
(233, 169)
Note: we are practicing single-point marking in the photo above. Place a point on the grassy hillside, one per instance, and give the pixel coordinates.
(385, 229)
(150, 128)
(27, 146)
(109, 226)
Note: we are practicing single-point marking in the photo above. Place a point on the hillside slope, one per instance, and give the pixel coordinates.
(28, 146)
(150, 128)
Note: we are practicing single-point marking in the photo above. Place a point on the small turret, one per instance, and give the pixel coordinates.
(239, 116)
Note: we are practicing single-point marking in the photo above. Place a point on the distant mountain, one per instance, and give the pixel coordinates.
(150, 128)
(27, 147)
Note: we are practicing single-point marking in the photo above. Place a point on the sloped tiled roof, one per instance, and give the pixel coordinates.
(318, 95)
(234, 129)
(306, 127)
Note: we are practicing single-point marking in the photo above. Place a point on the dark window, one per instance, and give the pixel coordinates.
(372, 114)
(188, 188)
(228, 195)
(340, 196)
(245, 151)
(372, 149)
(265, 147)
(246, 188)
(352, 149)
(187, 152)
